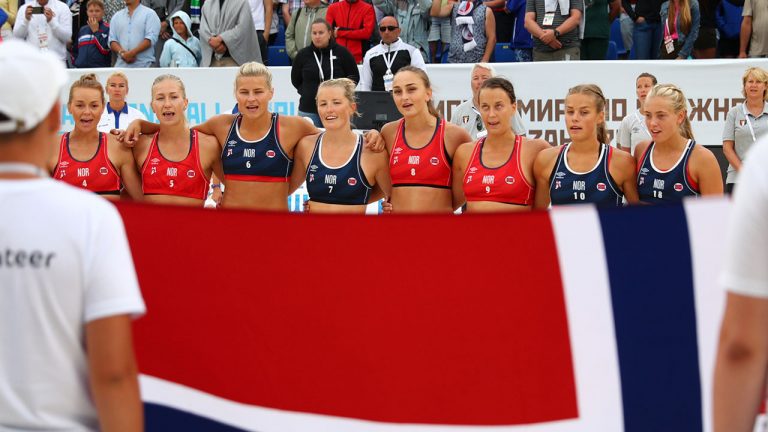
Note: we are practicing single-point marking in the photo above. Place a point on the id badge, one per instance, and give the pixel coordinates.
(388, 78)
(669, 45)
(549, 18)
(42, 38)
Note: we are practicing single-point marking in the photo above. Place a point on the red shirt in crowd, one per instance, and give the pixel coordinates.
(355, 21)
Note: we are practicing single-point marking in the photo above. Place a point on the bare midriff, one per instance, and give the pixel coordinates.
(256, 195)
(418, 199)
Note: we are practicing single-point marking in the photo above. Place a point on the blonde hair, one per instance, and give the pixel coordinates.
(757, 73)
(88, 81)
(487, 66)
(169, 77)
(254, 69)
(685, 15)
(117, 75)
(599, 98)
(424, 79)
(677, 101)
(346, 84)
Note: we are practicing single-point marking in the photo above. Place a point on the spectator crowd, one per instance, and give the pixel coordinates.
(192, 33)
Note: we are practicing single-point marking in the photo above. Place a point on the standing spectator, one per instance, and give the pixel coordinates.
(46, 25)
(522, 42)
(728, 17)
(227, 34)
(299, 31)
(163, 9)
(746, 123)
(111, 7)
(681, 20)
(467, 115)
(706, 43)
(324, 59)
(261, 14)
(646, 39)
(414, 19)
(352, 22)
(382, 62)
(183, 49)
(633, 130)
(71, 287)
(132, 35)
(474, 30)
(505, 21)
(754, 29)
(10, 7)
(293, 7)
(555, 27)
(627, 27)
(597, 28)
(92, 48)
(439, 32)
(118, 115)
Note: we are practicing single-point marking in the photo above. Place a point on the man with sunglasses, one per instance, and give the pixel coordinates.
(382, 62)
(467, 116)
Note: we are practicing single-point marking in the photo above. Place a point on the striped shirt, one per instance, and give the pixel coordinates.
(570, 39)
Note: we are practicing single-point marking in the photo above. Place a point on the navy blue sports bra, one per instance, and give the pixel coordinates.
(344, 185)
(595, 186)
(656, 186)
(262, 160)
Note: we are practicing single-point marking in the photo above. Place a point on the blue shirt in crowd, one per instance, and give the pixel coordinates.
(130, 30)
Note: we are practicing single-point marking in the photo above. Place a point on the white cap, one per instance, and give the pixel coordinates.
(30, 87)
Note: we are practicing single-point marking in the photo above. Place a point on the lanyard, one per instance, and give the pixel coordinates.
(22, 168)
(666, 23)
(319, 62)
(389, 60)
(642, 123)
(749, 123)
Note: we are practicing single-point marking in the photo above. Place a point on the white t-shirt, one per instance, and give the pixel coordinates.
(632, 131)
(118, 119)
(746, 256)
(257, 13)
(64, 261)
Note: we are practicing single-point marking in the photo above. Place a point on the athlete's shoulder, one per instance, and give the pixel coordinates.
(456, 133)
(641, 148)
(699, 153)
(537, 144)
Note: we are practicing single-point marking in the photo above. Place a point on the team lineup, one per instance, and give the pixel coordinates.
(420, 163)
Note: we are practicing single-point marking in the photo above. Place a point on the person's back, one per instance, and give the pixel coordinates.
(67, 283)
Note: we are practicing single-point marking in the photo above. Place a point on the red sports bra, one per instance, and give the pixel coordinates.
(97, 174)
(428, 166)
(505, 184)
(186, 178)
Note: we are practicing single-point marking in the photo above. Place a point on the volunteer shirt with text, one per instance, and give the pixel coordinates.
(64, 261)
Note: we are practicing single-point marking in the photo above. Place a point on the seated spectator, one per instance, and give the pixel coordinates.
(133, 33)
(414, 19)
(728, 18)
(227, 34)
(92, 48)
(680, 22)
(298, 33)
(183, 49)
(382, 62)
(474, 30)
(10, 7)
(352, 22)
(467, 116)
(46, 25)
(555, 27)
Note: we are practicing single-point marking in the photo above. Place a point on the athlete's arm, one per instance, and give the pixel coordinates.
(113, 374)
(388, 132)
(292, 130)
(301, 158)
(623, 169)
(217, 126)
(127, 166)
(210, 155)
(542, 168)
(460, 160)
(742, 358)
(374, 141)
(54, 160)
(706, 171)
(383, 183)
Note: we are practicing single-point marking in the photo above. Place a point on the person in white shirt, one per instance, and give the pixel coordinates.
(633, 130)
(742, 358)
(466, 114)
(46, 24)
(117, 114)
(382, 62)
(68, 288)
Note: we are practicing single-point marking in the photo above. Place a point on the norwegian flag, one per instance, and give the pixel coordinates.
(561, 323)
